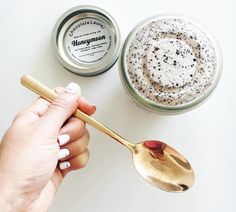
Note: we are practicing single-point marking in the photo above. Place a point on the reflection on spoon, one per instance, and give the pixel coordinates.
(164, 166)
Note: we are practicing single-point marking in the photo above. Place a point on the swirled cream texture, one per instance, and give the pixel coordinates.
(171, 62)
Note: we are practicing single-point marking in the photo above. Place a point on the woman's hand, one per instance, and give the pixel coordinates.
(41, 146)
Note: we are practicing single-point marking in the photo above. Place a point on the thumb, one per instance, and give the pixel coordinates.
(62, 107)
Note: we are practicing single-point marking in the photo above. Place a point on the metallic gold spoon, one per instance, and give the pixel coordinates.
(158, 163)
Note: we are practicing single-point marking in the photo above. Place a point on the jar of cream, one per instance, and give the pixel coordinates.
(169, 64)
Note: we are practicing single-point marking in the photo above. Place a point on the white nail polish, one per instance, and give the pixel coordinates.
(64, 165)
(63, 139)
(73, 88)
(63, 153)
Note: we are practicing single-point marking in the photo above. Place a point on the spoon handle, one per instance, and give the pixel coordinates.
(48, 94)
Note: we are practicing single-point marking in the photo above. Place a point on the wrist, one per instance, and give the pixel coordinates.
(10, 199)
(12, 203)
(5, 205)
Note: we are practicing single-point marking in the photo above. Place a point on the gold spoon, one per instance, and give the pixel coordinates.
(158, 163)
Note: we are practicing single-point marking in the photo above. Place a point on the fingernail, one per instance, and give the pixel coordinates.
(73, 88)
(63, 139)
(94, 107)
(63, 153)
(64, 165)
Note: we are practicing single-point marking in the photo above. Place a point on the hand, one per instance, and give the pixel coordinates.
(41, 146)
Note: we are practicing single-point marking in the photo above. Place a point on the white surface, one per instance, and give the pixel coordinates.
(206, 136)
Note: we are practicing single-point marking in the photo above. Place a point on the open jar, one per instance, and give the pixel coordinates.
(170, 64)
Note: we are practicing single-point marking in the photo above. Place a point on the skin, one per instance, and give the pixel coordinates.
(29, 172)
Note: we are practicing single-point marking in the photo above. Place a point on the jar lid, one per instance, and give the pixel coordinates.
(86, 40)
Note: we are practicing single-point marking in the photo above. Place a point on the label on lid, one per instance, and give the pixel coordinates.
(88, 40)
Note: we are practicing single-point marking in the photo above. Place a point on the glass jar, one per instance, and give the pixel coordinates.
(170, 64)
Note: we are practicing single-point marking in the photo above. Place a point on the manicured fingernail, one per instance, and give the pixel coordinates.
(73, 88)
(63, 139)
(64, 165)
(63, 153)
(94, 107)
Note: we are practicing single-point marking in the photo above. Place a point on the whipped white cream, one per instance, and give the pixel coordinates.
(171, 61)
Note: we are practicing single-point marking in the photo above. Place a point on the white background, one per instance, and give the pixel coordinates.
(206, 136)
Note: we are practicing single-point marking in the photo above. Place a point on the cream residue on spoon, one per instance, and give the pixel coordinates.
(171, 61)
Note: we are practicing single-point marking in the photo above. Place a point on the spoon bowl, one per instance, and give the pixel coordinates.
(162, 166)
